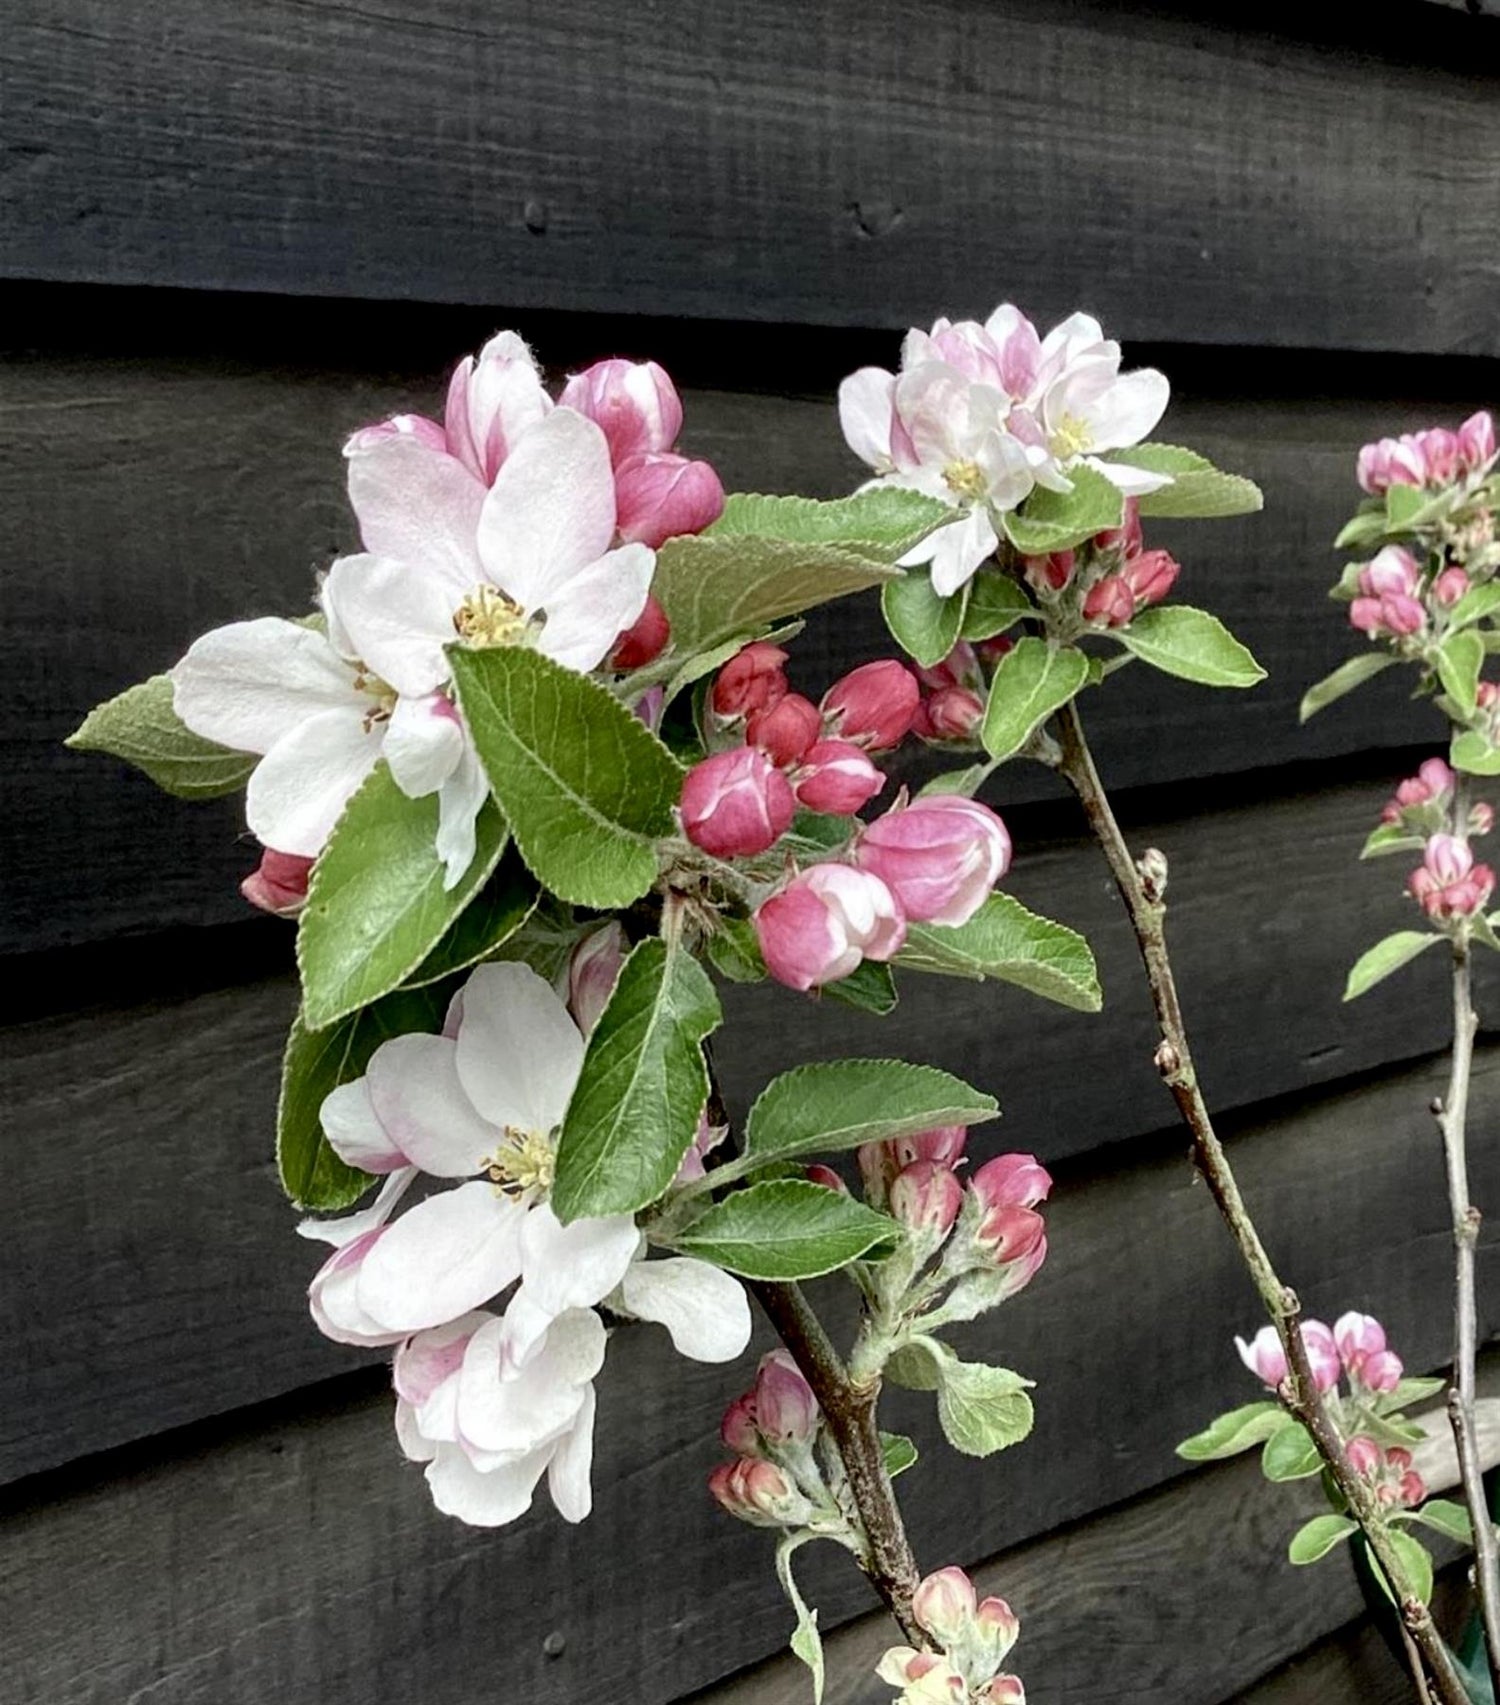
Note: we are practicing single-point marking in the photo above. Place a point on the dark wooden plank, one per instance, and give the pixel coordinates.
(849, 165)
(145, 498)
(290, 1555)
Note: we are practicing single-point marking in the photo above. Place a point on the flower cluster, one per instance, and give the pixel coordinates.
(1434, 457)
(491, 1401)
(1424, 813)
(784, 1474)
(1448, 884)
(972, 1636)
(980, 415)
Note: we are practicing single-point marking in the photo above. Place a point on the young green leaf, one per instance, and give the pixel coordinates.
(787, 1229)
(1056, 520)
(1409, 1391)
(1475, 605)
(1362, 529)
(734, 951)
(1316, 1538)
(806, 1643)
(917, 1364)
(489, 920)
(898, 1453)
(1415, 1560)
(869, 987)
(1229, 1434)
(982, 1409)
(1192, 645)
(967, 781)
(641, 1089)
(881, 523)
(1384, 957)
(377, 904)
(315, 1064)
(1390, 838)
(925, 625)
(1006, 942)
(141, 726)
(1459, 659)
(1199, 490)
(1030, 682)
(1290, 1454)
(587, 788)
(1349, 675)
(1443, 1516)
(996, 602)
(1403, 504)
(1473, 754)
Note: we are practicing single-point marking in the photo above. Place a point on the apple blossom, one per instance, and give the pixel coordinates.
(926, 1197)
(736, 804)
(1476, 441)
(661, 495)
(1266, 1358)
(836, 777)
(941, 857)
(758, 1492)
(824, 922)
(493, 401)
(753, 679)
(634, 403)
(279, 883)
(873, 705)
(944, 1605)
(1431, 785)
(1366, 1358)
(1388, 603)
(785, 730)
(923, 1677)
(1448, 883)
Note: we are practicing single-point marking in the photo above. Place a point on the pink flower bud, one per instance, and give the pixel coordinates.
(492, 400)
(874, 704)
(1488, 695)
(1373, 468)
(1381, 1371)
(943, 1144)
(878, 1167)
(951, 713)
(1364, 1455)
(1449, 587)
(1399, 1457)
(644, 642)
(705, 1140)
(1392, 572)
(786, 1412)
(1002, 1690)
(940, 857)
(836, 777)
(736, 804)
(926, 1197)
(944, 1605)
(1408, 464)
(1011, 1181)
(1412, 1488)
(660, 496)
(1050, 573)
(751, 680)
(924, 1677)
(825, 1177)
(1109, 602)
(759, 1493)
(1151, 576)
(997, 1627)
(820, 926)
(1440, 454)
(1432, 784)
(592, 971)
(1476, 440)
(1394, 614)
(785, 730)
(1357, 1336)
(1322, 1354)
(278, 883)
(990, 651)
(1010, 1230)
(1448, 883)
(1126, 538)
(738, 1429)
(634, 403)
(1481, 817)
(960, 668)
(1264, 1356)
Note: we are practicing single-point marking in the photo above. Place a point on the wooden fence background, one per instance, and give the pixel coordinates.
(228, 234)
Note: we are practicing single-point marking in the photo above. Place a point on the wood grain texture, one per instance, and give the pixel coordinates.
(145, 498)
(290, 1554)
(850, 164)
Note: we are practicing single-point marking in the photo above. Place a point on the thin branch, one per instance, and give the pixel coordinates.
(1141, 887)
(1414, 1664)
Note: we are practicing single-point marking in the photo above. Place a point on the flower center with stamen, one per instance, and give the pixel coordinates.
(487, 617)
(1071, 437)
(382, 694)
(964, 479)
(524, 1164)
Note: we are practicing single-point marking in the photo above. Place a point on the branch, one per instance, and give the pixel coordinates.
(1141, 887)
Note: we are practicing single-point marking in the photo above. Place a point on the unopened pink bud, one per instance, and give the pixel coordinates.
(1002, 1690)
(643, 642)
(738, 1429)
(1413, 1488)
(1487, 696)
(736, 804)
(1392, 571)
(1126, 538)
(824, 922)
(944, 1605)
(278, 883)
(1399, 1457)
(1476, 440)
(1010, 1234)
(836, 777)
(873, 705)
(785, 730)
(960, 668)
(592, 972)
(944, 1144)
(1440, 454)
(661, 496)
(759, 1493)
(1264, 1356)
(940, 857)
(634, 403)
(998, 1626)
(926, 1197)
(1449, 587)
(1373, 468)
(753, 679)
(1012, 1181)
(1151, 576)
(1322, 1354)
(990, 651)
(786, 1412)
(1381, 1371)
(1481, 817)
(1357, 1335)
(1364, 1455)
(826, 1177)
(951, 713)
(1109, 602)
(1050, 573)
(1408, 463)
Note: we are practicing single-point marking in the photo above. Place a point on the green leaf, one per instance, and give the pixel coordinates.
(316, 1062)
(1410, 1391)
(588, 790)
(1199, 490)
(1477, 603)
(734, 951)
(377, 905)
(490, 919)
(1006, 942)
(1349, 675)
(1393, 1430)
(1031, 681)
(869, 987)
(1384, 957)
(787, 1229)
(806, 1643)
(1192, 645)
(898, 1453)
(1239, 1430)
(925, 625)
(1390, 838)
(641, 1089)
(1290, 1454)
(1403, 504)
(141, 726)
(882, 523)
(983, 1409)
(996, 602)
(1444, 1516)
(918, 1364)
(1473, 754)
(1362, 529)
(966, 781)
(1316, 1538)
(839, 1104)
(1056, 520)
(1459, 659)
(1415, 1560)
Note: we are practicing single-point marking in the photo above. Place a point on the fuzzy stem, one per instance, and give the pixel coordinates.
(1141, 888)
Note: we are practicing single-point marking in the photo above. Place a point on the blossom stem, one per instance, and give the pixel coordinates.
(1142, 887)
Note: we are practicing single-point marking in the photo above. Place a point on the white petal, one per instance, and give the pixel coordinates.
(429, 1359)
(301, 786)
(424, 742)
(248, 684)
(349, 1226)
(587, 612)
(460, 800)
(519, 1053)
(442, 1258)
(397, 616)
(568, 1475)
(866, 403)
(418, 505)
(416, 1095)
(501, 1409)
(526, 1324)
(1129, 408)
(577, 1265)
(354, 1131)
(414, 1447)
(933, 400)
(333, 1296)
(704, 1309)
(551, 509)
(1134, 482)
(958, 550)
(484, 1500)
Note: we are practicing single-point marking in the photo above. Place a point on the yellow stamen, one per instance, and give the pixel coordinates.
(1072, 437)
(524, 1164)
(964, 479)
(487, 617)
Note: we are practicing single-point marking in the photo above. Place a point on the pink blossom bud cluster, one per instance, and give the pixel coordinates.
(1448, 884)
(1354, 1348)
(1421, 800)
(973, 1637)
(1396, 1483)
(1002, 1231)
(952, 702)
(774, 1480)
(1389, 603)
(1434, 458)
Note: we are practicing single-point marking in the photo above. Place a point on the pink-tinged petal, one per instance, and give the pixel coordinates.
(492, 403)
(442, 1258)
(249, 684)
(350, 1226)
(429, 1359)
(424, 741)
(416, 1095)
(574, 1266)
(588, 611)
(510, 1411)
(301, 786)
(333, 1296)
(935, 402)
(959, 549)
(460, 800)
(1129, 408)
(397, 617)
(417, 505)
(867, 402)
(569, 1473)
(551, 510)
(519, 1053)
(705, 1310)
(491, 1499)
(354, 1131)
